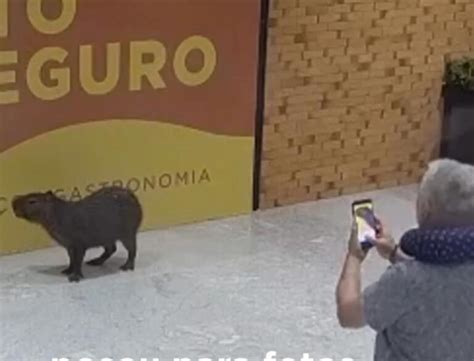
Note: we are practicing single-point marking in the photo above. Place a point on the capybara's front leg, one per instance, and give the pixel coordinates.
(78, 257)
(68, 270)
(130, 244)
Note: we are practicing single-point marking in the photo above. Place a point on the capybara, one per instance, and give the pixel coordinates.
(101, 219)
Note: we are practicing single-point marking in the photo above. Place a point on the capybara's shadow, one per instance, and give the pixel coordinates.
(112, 266)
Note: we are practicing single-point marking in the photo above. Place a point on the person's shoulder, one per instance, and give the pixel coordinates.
(420, 274)
(405, 267)
(410, 271)
(410, 266)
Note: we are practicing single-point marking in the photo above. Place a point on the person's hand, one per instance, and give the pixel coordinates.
(384, 243)
(355, 250)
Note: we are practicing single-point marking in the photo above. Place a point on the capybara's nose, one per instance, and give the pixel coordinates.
(16, 206)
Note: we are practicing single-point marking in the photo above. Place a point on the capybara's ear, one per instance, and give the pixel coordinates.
(50, 194)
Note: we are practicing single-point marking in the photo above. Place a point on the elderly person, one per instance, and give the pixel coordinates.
(445, 210)
(420, 311)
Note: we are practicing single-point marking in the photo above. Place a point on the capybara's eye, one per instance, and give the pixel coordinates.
(32, 201)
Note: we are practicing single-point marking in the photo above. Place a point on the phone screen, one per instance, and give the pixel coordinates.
(366, 222)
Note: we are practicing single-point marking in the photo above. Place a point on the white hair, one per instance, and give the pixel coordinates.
(446, 195)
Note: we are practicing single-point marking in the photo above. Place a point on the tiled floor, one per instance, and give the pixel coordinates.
(233, 288)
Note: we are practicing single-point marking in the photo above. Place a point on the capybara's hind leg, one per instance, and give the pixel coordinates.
(109, 250)
(131, 245)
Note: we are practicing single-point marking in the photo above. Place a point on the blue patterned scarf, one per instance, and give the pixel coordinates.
(440, 245)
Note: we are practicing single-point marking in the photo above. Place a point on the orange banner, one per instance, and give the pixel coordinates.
(137, 93)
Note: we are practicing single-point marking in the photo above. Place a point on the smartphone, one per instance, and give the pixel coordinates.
(364, 216)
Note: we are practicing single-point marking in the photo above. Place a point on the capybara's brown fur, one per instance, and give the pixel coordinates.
(99, 220)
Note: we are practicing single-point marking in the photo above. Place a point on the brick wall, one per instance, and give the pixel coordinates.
(353, 92)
